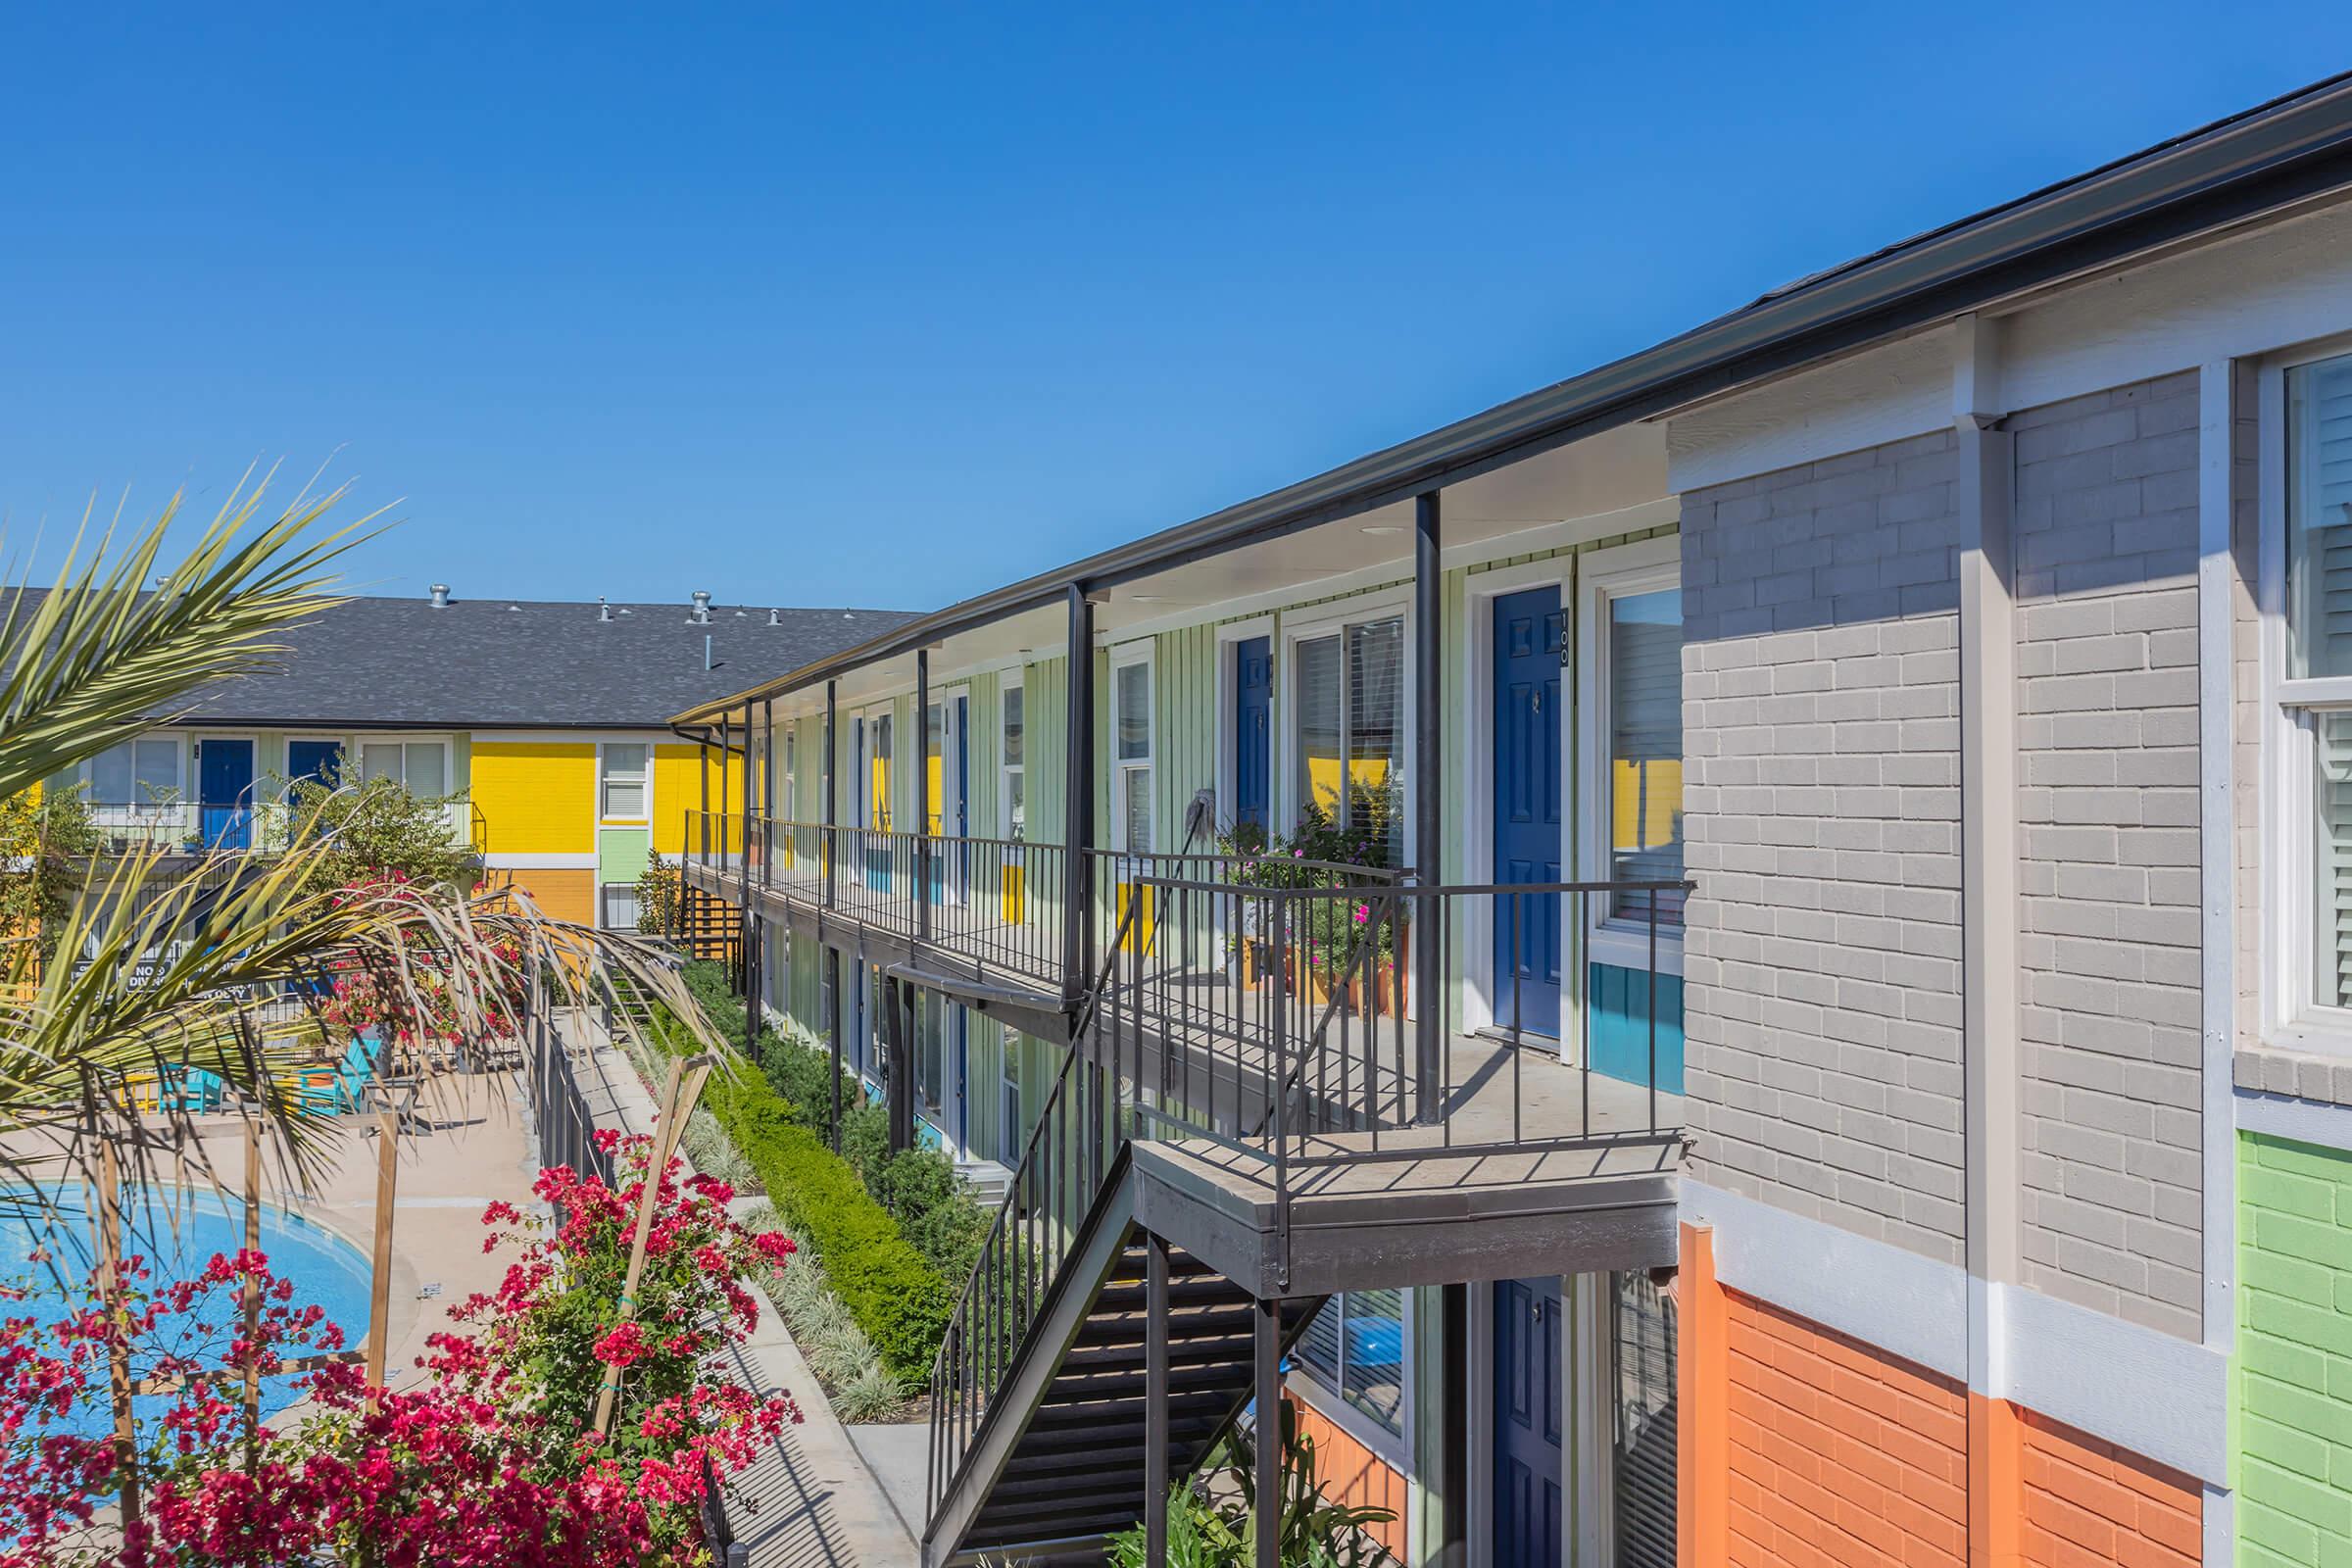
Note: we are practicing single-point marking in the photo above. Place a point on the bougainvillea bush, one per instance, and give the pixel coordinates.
(415, 1004)
(489, 1456)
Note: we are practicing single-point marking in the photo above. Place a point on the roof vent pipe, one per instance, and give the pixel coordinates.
(707, 663)
(775, 617)
(702, 607)
(440, 594)
(603, 612)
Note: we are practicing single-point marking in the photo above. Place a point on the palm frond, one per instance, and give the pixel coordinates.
(101, 656)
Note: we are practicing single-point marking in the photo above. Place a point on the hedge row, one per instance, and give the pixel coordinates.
(894, 1294)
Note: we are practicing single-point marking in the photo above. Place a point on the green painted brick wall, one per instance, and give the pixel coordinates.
(2294, 1354)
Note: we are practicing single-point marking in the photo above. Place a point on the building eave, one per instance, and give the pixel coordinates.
(2271, 158)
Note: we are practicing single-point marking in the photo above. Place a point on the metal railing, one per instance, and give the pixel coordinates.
(1281, 1021)
(997, 903)
(559, 1112)
(1306, 1043)
(199, 827)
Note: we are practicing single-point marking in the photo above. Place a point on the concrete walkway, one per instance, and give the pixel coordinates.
(809, 1502)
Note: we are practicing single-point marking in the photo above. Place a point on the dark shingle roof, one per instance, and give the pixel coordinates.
(506, 663)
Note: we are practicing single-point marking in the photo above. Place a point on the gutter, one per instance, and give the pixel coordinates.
(2286, 151)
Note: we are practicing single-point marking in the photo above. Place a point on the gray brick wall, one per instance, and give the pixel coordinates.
(2108, 877)
(1820, 820)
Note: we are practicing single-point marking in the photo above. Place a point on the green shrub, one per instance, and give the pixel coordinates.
(919, 1188)
(891, 1288)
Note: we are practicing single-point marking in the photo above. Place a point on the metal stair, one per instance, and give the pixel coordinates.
(1075, 1471)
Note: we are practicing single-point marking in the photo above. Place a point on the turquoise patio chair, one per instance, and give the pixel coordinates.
(189, 1091)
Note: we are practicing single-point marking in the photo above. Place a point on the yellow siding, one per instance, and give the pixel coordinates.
(536, 797)
(678, 790)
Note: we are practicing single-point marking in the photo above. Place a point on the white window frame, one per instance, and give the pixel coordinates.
(1394, 1449)
(791, 771)
(1013, 681)
(1334, 619)
(604, 784)
(183, 790)
(603, 910)
(1124, 657)
(355, 756)
(2290, 858)
(1645, 566)
(865, 736)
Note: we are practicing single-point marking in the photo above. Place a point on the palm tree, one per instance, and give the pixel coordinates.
(220, 970)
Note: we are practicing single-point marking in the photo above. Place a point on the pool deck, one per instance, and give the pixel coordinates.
(476, 1148)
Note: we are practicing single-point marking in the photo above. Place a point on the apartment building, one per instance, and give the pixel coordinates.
(1796, 1006)
(543, 726)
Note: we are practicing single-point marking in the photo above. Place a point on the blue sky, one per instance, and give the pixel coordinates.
(887, 305)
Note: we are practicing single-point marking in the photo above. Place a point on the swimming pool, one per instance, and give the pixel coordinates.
(178, 1237)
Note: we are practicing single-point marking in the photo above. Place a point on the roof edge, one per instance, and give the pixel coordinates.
(2259, 160)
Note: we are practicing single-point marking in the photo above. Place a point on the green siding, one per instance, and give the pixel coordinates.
(1184, 757)
(622, 852)
(1047, 686)
(2294, 1352)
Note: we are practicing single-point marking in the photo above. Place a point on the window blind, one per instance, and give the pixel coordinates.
(1376, 734)
(1645, 749)
(1642, 1437)
(1321, 768)
(2320, 519)
(1355, 1347)
(2319, 644)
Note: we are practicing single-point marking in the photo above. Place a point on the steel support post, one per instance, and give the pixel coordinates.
(1078, 804)
(922, 794)
(1156, 1403)
(1428, 813)
(824, 859)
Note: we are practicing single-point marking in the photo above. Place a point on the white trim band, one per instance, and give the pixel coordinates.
(2159, 1396)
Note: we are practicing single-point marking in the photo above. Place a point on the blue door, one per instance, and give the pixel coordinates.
(1527, 1423)
(1252, 738)
(224, 793)
(1526, 809)
(316, 759)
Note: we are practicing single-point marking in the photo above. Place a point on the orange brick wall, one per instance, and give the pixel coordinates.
(1354, 1475)
(1838, 1452)
(2089, 1502)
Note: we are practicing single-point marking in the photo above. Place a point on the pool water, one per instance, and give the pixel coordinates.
(178, 1236)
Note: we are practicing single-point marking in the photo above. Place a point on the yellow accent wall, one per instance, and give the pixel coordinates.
(536, 797)
(678, 790)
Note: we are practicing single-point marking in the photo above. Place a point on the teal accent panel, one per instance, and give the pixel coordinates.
(1619, 1001)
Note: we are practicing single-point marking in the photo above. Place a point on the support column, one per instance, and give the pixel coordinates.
(1268, 1387)
(922, 794)
(824, 859)
(767, 789)
(1156, 1403)
(1984, 477)
(753, 978)
(898, 1039)
(1078, 804)
(840, 1032)
(701, 839)
(1428, 807)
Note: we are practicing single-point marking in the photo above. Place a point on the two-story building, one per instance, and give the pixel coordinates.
(543, 726)
(1796, 1006)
